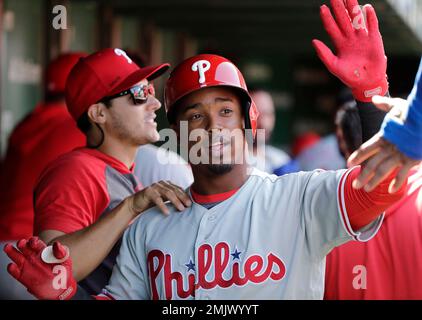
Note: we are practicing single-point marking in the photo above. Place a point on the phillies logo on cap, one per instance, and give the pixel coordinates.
(201, 66)
(120, 52)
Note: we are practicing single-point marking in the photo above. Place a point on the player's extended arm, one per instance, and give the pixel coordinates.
(363, 207)
(89, 246)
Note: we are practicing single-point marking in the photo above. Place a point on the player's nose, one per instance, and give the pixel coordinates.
(153, 104)
(213, 123)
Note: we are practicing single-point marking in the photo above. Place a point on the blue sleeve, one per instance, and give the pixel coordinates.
(290, 167)
(415, 97)
(406, 134)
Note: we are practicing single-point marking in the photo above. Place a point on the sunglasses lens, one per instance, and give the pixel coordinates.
(138, 94)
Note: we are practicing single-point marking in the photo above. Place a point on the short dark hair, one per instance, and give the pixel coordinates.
(348, 120)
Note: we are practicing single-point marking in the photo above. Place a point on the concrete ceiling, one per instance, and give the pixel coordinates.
(261, 26)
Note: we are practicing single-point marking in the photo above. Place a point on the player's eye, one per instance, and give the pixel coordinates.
(226, 111)
(195, 116)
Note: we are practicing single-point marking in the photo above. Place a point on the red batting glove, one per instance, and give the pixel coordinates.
(46, 272)
(360, 62)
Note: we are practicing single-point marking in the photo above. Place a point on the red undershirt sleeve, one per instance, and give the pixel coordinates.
(364, 207)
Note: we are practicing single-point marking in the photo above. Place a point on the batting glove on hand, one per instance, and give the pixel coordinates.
(360, 62)
(46, 272)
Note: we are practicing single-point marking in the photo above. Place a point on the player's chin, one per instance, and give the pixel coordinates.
(220, 169)
(144, 139)
(153, 136)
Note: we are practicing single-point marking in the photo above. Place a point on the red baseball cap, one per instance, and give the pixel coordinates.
(58, 70)
(104, 73)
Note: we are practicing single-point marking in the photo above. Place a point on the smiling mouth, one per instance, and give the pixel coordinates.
(219, 145)
(150, 119)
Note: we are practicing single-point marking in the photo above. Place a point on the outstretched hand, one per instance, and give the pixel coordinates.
(360, 61)
(381, 157)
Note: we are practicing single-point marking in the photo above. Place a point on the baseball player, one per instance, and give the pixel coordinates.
(273, 157)
(50, 131)
(245, 236)
(79, 198)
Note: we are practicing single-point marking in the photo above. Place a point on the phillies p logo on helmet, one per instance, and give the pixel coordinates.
(201, 66)
(208, 70)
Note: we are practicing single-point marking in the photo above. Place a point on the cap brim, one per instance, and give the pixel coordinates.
(148, 73)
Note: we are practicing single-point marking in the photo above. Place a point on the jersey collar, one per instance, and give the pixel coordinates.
(211, 198)
(111, 161)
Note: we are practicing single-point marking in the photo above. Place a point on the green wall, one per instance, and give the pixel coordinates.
(21, 61)
(83, 21)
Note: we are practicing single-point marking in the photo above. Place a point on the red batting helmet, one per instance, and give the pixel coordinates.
(208, 70)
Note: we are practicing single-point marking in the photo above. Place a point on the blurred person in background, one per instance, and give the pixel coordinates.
(46, 133)
(266, 158)
(348, 129)
(315, 152)
(304, 141)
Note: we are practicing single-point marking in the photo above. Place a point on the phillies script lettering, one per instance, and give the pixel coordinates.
(210, 258)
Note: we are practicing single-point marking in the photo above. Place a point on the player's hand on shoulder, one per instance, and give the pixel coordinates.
(46, 272)
(381, 157)
(157, 194)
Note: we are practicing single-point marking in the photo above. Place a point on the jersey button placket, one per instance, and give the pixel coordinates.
(204, 228)
(201, 238)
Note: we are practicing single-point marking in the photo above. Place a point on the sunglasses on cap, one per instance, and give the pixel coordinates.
(139, 93)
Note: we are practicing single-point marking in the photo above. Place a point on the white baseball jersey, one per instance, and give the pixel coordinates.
(267, 241)
(154, 164)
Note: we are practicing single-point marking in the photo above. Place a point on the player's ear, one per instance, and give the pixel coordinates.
(97, 113)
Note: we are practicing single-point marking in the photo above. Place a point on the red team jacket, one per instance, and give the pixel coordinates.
(41, 137)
